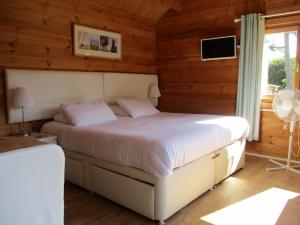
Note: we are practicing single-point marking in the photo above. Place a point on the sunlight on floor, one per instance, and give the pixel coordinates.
(264, 208)
(233, 181)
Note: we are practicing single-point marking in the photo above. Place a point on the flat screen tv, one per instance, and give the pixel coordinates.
(218, 48)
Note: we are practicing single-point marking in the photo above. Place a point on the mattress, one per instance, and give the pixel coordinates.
(155, 144)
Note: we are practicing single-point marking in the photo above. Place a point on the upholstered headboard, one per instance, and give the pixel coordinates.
(118, 85)
(51, 88)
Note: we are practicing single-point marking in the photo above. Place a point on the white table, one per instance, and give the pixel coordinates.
(31, 183)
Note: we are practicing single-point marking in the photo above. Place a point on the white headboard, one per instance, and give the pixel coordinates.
(51, 88)
(118, 85)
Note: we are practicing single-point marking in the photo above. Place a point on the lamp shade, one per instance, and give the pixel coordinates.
(22, 98)
(154, 91)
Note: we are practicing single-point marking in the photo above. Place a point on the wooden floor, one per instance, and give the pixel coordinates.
(81, 208)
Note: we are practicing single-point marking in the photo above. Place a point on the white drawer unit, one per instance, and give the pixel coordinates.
(228, 160)
(107, 183)
(75, 171)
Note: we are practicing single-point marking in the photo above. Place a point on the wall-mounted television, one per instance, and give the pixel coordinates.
(218, 48)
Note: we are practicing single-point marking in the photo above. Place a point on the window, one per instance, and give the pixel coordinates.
(279, 61)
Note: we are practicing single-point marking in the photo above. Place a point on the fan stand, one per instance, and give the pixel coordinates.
(287, 166)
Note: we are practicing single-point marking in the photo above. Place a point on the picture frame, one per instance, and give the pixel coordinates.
(94, 42)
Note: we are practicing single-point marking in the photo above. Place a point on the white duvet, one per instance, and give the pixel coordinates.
(156, 144)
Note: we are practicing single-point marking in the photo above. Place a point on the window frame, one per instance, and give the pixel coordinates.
(266, 100)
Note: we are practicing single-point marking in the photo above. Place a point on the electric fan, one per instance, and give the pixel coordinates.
(286, 105)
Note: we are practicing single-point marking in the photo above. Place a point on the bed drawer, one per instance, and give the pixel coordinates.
(74, 171)
(183, 186)
(136, 195)
(228, 160)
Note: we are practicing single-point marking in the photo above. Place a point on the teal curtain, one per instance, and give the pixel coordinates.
(250, 70)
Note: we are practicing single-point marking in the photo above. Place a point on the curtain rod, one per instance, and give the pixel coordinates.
(273, 15)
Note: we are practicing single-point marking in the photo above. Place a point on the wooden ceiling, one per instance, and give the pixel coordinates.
(149, 9)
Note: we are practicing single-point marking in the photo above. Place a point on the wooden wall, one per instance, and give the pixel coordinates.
(37, 34)
(191, 85)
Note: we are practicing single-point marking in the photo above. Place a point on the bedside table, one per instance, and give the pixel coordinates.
(32, 181)
(11, 143)
(47, 138)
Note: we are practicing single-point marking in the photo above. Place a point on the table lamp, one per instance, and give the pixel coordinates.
(154, 93)
(22, 98)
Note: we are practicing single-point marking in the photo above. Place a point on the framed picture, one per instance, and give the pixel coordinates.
(88, 41)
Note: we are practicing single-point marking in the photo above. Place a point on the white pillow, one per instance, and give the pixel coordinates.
(87, 113)
(118, 110)
(137, 108)
(60, 118)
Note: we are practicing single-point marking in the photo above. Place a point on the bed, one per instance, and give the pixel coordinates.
(153, 165)
(166, 159)
(156, 144)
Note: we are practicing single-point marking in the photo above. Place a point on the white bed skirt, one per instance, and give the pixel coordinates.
(155, 198)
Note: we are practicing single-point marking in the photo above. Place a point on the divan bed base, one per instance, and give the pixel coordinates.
(155, 198)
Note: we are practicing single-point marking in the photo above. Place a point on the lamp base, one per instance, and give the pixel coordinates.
(22, 131)
(23, 134)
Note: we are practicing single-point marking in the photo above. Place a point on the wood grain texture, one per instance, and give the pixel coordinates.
(273, 137)
(83, 208)
(12, 143)
(37, 34)
(149, 9)
(194, 86)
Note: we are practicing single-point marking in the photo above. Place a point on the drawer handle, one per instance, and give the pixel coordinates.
(216, 155)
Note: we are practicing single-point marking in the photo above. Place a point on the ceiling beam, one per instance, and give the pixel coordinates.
(173, 4)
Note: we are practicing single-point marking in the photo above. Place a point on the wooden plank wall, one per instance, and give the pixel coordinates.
(190, 85)
(37, 34)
